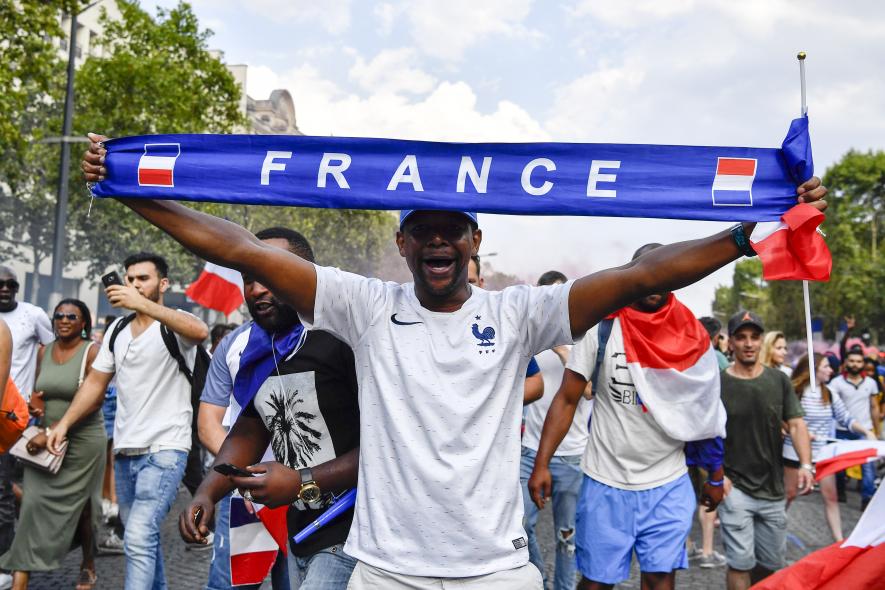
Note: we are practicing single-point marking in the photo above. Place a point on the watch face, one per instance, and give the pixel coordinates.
(310, 493)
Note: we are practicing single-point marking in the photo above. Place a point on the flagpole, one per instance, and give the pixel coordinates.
(805, 295)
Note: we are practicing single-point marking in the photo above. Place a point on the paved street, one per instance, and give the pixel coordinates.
(186, 570)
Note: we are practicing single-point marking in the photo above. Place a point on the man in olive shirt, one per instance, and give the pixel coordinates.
(758, 400)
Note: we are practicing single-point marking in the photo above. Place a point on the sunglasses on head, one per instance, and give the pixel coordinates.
(71, 317)
(10, 284)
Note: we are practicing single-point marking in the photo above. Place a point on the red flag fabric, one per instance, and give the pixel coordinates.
(792, 248)
(217, 288)
(837, 456)
(856, 564)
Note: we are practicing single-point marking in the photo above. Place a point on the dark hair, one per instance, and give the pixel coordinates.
(219, 331)
(158, 261)
(550, 277)
(801, 378)
(855, 350)
(712, 325)
(298, 244)
(84, 312)
(647, 248)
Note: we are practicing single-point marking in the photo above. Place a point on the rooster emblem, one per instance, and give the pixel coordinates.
(485, 337)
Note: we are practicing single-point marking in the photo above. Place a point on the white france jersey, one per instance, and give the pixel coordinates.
(440, 411)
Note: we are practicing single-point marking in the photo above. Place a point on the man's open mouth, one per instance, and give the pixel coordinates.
(439, 266)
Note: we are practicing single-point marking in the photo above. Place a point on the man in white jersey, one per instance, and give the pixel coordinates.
(565, 466)
(441, 370)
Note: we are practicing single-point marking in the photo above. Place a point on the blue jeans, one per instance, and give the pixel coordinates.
(219, 569)
(868, 470)
(567, 477)
(147, 485)
(327, 569)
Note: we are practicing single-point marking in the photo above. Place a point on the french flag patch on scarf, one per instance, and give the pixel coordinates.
(674, 368)
(733, 183)
(156, 166)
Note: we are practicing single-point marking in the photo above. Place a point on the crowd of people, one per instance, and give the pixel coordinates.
(456, 413)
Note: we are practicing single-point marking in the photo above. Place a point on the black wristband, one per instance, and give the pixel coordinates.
(741, 240)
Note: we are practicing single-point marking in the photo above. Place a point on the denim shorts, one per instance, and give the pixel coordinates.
(754, 531)
(109, 410)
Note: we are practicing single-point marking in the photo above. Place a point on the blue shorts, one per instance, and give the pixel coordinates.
(612, 523)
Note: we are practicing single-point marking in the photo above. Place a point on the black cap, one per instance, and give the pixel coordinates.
(744, 318)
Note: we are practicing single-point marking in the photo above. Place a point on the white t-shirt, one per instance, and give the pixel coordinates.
(627, 448)
(575, 441)
(856, 398)
(440, 412)
(153, 395)
(30, 327)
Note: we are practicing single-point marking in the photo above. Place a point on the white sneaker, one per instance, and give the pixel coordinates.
(112, 545)
(715, 559)
(5, 581)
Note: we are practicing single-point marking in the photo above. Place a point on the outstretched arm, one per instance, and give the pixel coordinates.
(288, 276)
(664, 269)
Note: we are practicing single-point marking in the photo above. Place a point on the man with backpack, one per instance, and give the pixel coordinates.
(152, 353)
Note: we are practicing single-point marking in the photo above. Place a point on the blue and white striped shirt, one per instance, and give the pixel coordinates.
(821, 419)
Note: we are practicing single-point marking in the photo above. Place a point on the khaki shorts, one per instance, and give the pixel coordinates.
(367, 577)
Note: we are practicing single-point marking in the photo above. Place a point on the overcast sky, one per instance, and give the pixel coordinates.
(644, 71)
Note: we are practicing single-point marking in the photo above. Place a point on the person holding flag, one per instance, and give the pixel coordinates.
(656, 384)
(441, 370)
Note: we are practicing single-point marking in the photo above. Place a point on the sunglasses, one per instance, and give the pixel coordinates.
(71, 317)
(10, 284)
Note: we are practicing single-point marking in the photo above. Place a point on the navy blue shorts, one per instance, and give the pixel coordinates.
(612, 523)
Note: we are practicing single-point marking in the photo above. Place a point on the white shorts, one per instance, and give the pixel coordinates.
(367, 577)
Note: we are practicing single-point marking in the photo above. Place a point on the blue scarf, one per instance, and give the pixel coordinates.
(615, 180)
(257, 361)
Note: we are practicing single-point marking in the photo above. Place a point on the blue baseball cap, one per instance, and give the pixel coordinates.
(404, 214)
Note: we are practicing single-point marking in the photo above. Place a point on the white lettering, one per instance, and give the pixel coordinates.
(527, 185)
(595, 177)
(269, 165)
(407, 172)
(336, 170)
(479, 179)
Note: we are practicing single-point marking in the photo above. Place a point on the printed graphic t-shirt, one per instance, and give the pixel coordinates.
(627, 449)
(575, 441)
(30, 327)
(441, 407)
(153, 395)
(312, 413)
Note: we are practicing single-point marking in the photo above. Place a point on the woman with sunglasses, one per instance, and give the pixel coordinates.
(55, 507)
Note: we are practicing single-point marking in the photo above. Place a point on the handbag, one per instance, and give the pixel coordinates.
(13, 415)
(44, 460)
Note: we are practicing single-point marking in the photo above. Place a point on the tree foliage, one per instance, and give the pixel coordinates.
(857, 200)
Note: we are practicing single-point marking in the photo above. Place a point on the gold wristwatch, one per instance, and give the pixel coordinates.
(310, 492)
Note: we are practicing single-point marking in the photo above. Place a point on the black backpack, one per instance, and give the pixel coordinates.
(196, 376)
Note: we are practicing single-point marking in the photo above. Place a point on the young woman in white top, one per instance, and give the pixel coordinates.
(823, 408)
(774, 352)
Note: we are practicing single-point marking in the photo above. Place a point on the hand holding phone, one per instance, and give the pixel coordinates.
(112, 278)
(231, 470)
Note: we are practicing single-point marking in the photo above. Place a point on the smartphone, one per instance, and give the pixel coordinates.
(231, 470)
(112, 278)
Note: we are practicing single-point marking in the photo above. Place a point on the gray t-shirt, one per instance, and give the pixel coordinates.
(856, 398)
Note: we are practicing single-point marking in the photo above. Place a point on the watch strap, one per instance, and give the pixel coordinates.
(742, 241)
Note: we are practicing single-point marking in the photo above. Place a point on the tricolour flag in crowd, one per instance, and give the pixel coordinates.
(733, 183)
(255, 540)
(856, 564)
(157, 165)
(841, 455)
(674, 368)
(793, 248)
(217, 288)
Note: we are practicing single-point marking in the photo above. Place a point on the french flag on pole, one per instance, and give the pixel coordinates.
(217, 288)
(733, 183)
(793, 248)
(157, 165)
(674, 369)
(255, 540)
(841, 455)
(858, 563)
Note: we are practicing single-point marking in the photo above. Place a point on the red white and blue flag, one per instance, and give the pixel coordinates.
(156, 166)
(217, 288)
(674, 369)
(793, 248)
(255, 540)
(856, 564)
(841, 455)
(733, 183)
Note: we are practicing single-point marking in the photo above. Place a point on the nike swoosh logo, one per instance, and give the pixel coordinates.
(401, 323)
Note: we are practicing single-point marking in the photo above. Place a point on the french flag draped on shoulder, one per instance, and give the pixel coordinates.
(674, 369)
(608, 180)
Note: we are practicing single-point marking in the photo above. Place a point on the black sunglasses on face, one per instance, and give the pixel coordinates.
(10, 284)
(71, 317)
